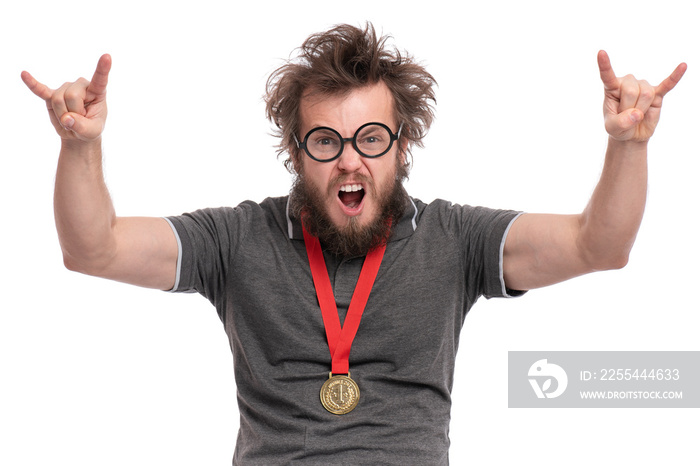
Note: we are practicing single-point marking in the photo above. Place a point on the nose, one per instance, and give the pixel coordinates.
(349, 160)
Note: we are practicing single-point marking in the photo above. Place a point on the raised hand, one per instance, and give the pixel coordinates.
(632, 107)
(77, 110)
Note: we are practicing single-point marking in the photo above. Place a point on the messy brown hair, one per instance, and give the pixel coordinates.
(338, 61)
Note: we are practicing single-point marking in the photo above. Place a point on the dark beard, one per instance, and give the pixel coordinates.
(352, 240)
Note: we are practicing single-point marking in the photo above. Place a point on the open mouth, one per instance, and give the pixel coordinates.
(351, 195)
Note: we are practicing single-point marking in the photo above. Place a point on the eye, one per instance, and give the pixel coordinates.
(371, 140)
(324, 143)
(323, 138)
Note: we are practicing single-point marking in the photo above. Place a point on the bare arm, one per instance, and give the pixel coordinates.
(544, 249)
(140, 251)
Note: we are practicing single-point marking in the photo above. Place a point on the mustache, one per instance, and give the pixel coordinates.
(308, 203)
(366, 181)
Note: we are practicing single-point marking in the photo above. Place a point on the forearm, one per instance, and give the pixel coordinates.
(544, 249)
(83, 208)
(611, 220)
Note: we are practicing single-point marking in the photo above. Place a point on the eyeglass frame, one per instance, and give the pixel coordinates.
(392, 137)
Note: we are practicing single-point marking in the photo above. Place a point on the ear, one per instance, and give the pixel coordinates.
(403, 149)
(294, 156)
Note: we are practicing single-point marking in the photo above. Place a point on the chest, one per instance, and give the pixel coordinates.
(414, 312)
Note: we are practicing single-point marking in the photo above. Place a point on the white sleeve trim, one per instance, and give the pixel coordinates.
(179, 256)
(504, 291)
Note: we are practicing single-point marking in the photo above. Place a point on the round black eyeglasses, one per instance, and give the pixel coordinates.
(371, 140)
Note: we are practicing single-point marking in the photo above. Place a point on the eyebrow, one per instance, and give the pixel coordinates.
(313, 127)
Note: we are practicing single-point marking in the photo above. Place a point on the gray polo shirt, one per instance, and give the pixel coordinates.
(251, 263)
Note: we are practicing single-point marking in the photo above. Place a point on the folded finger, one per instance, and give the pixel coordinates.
(646, 96)
(74, 96)
(58, 101)
(629, 93)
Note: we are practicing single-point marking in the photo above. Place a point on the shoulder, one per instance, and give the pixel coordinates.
(270, 206)
(240, 218)
(449, 212)
(463, 220)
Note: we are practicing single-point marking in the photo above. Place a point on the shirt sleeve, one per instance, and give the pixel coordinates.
(207, 241)
(482, 235)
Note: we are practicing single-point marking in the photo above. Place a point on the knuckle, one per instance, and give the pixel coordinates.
(77, 86)
(629, 92)
(56, 99)
(72, 93)
(646, 90)
(75, 97)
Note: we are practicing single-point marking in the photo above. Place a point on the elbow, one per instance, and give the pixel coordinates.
(81, 265)
(618, 262)
(70, 263)
(609, 261)
(605, 252)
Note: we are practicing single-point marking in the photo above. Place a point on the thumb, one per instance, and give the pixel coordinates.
(84, 128)
(617, 125)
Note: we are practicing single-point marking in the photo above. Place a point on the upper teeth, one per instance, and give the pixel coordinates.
(348, 188)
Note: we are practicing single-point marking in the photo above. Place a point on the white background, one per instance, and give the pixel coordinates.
(96, 372)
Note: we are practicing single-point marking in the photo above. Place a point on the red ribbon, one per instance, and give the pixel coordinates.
(340, 339)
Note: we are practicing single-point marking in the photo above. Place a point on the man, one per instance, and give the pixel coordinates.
(348, 260)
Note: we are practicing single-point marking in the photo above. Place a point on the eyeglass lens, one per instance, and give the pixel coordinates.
(371, 140)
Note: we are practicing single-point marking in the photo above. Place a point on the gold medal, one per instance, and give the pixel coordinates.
(340, 394)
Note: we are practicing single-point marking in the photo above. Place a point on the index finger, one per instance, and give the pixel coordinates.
(39, 89)
(670, 82)
(98, 84)
(607, 75)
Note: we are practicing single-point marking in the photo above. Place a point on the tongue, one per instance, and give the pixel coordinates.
(351, 199)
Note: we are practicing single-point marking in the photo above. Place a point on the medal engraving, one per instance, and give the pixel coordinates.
(340, 394)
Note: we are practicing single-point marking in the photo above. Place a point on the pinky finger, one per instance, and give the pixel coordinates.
(39, 89)
(670, 82)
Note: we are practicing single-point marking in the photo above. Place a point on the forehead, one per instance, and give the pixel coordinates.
(349, 111)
